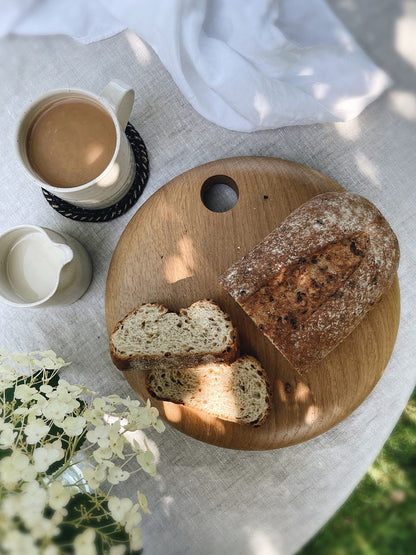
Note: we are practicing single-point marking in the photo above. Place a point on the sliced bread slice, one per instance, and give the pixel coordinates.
(238, 392)
(152, 336)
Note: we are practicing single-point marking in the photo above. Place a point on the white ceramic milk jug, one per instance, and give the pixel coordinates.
(41, 267)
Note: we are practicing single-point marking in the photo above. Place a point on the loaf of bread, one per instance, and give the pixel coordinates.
(312, 280)
(238, 392)
(152, 336)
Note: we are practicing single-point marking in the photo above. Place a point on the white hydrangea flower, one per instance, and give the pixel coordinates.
(152, 411)
(114, 398)
(33, 499)
(139, 419)
(91, 478)
(135, 445)
(7, 436)
(43, 457)
(133, 518)
(73, 390)
(136, 539)
(119, 508)
(16, 543)
(93, 416)
(100, 435)
(142, 417)
(146, 460)
(21, 359)
(46, 388)
(36, 430)
(117, 475)
(143, 502)
(159, 426)
(63, 396)
(25, 392)
(49, 360)
(107, 463)
(153, 415)
(84, 543)
(6, 370)
(50, 550)
(73, 425)
(58, 495)
(37, 408)
(116, 440)
(7, 378)
(58, 516)
(10, 506)
(64, 385)
(29, 474)
(24, 487)
(22, 411)
(39, 526)
(55, 410)
(16, 467)
(100, 472)
(130, 402)
(57, 452)
(101, 403)
(117, 550)
(102, 454)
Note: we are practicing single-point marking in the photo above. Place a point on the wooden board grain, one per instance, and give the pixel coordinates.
(173, 251)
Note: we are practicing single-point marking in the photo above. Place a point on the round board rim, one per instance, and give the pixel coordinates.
(174, 200)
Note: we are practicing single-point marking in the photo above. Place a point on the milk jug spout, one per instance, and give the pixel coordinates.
(41, 267)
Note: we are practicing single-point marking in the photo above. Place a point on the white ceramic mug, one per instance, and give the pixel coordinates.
(41, 267)
(114, 182)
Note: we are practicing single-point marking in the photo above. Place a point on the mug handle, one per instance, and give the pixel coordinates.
(121, 98)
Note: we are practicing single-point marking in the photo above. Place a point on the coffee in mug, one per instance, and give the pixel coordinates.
(71, 142)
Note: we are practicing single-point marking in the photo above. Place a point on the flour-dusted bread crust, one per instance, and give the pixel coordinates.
(312, 280)
(151, 335)
(238, 392)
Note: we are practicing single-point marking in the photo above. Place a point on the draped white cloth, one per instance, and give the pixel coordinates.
(244, 65)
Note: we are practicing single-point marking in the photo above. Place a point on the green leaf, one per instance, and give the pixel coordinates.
(5, 453)
(36, 380)
(89, 511)
(68, 442)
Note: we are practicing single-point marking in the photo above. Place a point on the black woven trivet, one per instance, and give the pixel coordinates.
(111, 212)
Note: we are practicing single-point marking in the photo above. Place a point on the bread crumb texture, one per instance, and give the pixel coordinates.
(238, 392)
(310, 282)
(151, 329)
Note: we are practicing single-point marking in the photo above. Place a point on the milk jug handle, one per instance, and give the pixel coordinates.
(121, 98)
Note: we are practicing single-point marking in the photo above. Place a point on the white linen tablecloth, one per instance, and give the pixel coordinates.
(205, 499)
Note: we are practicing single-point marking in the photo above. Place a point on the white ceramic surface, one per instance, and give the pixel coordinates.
(40, 267)
(113, 183)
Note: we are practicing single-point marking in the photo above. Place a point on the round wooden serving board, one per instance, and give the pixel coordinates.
(173, 251)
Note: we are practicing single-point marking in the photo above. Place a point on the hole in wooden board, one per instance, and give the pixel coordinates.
(219, 193)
